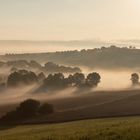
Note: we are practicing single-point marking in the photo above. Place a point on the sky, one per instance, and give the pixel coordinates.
(69, 19)
(102, 21)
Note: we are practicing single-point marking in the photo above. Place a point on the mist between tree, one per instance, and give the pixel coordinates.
(113, 79)
(110, 80)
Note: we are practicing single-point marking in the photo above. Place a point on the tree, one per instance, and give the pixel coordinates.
(28, 108)
(135, 79)
(93, 79)
(21, 77)
(69, 80)
(55, 81)
(52, 67)
(78, 79)
(46, 109)
(41, 76)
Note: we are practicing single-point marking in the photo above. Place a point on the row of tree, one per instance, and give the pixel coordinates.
(53, 81)
(48, 67)
(76, 80)
(112, 57)
(58, 80)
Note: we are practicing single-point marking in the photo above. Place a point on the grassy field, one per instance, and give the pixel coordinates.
(127, 128)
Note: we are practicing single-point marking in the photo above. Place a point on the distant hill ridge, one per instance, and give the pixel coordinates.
(106, 58)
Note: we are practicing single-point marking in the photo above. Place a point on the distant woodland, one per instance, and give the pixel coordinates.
(106, 58)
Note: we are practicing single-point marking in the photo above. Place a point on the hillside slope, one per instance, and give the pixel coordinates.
(105, 58)
(95, 105)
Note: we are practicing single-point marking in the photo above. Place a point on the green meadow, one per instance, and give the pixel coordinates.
(125, 128)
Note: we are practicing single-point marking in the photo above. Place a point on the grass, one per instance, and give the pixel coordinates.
(127, 128)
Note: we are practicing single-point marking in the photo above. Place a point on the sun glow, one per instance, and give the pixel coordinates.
(134, 5)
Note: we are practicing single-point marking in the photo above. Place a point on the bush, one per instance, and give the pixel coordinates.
(28, 108)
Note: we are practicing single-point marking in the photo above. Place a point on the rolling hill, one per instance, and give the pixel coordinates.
(99, 104)
(104, 58)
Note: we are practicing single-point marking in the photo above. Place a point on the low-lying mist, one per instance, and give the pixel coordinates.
(113, 79)
(110, 80)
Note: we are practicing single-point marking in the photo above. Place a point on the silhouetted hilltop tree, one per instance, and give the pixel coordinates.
(21, 77)
(135, 79)
(93, 79)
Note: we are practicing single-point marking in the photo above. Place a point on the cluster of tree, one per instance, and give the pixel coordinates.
(21, 77)
(53, 81)
(28, 109)
(49, 67)
(53, 68)
(20, 64)
(109, 58)
(135, 79)
(58, 81)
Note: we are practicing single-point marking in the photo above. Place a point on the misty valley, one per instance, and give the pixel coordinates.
(35, 89)
(69, 69)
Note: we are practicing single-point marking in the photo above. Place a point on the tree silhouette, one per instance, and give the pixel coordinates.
(78, 79)
(93, 79)
(56, 81)
(135, 79)
(21, 77)
(28, 108)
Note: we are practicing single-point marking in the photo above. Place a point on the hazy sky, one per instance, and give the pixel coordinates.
(69, 19)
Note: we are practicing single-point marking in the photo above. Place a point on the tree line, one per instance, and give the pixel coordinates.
(53, 81)
(48, 67)
(112, 57)
(58, 80)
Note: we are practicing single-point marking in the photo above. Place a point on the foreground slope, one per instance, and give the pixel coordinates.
(98, 104)
(100, 129)
(94, 105)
